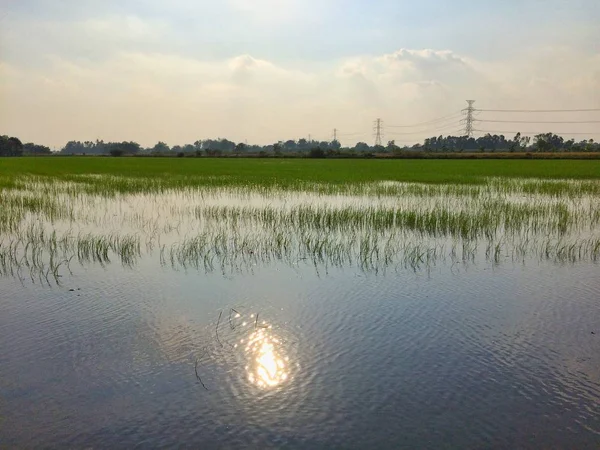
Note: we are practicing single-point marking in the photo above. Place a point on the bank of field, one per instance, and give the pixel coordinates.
(287, 172)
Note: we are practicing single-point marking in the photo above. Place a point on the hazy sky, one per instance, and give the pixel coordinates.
(267, 70)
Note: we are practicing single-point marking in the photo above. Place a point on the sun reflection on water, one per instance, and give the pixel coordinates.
(267, 366)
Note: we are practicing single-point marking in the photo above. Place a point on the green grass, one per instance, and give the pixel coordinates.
(235, 214)
(286, 172)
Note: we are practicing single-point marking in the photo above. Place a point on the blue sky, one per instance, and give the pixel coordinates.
(265, 70)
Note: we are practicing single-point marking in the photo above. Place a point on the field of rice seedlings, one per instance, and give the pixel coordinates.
(48, 226)
(134, 174)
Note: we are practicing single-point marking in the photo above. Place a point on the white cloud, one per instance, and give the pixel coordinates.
(143, 96)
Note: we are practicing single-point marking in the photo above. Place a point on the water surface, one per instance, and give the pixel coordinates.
(302, 328)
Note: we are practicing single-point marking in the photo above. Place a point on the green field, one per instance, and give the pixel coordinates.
(233, 214)
(221, 171)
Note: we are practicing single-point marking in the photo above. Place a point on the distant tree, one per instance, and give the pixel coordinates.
(226, 145)
(302, 144)
(75, 147)
(240, 148)
(335, 145)
(362, 147)
(34, 149)
(116, 152)
(547, 142)
(524, 142)
(591, 146)
(188, 148)
(130, 148)
(198, 146)
(10, 146)
(290, 145)
(392, 147)
(317, 152)
(568, 145)
(160, 148)
(514, 144)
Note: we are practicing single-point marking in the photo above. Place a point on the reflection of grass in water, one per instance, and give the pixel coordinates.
(371, 226)
(368, 253)
(490, 218)
(43, 254)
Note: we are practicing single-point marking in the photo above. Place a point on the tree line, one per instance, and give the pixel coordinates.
(545, 142)
(12, 146)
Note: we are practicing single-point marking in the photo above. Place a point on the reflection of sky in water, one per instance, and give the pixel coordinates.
(173, 214)
(236, 229)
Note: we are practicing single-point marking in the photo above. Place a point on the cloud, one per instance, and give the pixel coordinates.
(425, 58)
(150, 96)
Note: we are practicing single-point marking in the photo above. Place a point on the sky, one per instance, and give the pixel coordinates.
(267, 70)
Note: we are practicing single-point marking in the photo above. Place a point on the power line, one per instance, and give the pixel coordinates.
(440, 119)
(431, 130)
(537, 110)
(352, 134)
(529, 132)
(532, 121)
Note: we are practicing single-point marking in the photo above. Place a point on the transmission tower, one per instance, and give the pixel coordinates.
(378, 128)
(469, 111)
(335, 134)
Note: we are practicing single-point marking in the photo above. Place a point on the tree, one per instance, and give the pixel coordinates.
(302, 144)
(568, 145)
(240, 148)
(362, 147)
(33, 149)
(10, 146)
(160, 148)
(392, 147)
(547, 142)
(74, 147)
(290, 145)
(514, 144)
(130, 148)
(189, 148)
(225, 145)
(317, 152)
(591, 146)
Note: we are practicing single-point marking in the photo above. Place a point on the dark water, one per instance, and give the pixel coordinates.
(478, 357)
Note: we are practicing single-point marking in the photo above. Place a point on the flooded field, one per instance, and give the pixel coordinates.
(356, 315)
